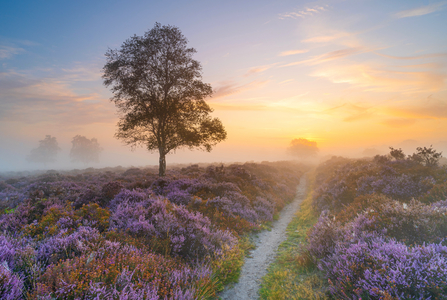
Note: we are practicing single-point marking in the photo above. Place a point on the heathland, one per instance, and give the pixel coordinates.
(130, 234)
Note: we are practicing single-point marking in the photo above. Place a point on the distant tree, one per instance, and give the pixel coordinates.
(159, 93)
(46, 152)
(397, 154)
(427, 156)
(85, 150)
(303, 148)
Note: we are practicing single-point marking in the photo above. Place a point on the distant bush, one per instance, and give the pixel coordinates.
(341, 181)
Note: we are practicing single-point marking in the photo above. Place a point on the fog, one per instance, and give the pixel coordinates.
(13, 156)
(14, 152)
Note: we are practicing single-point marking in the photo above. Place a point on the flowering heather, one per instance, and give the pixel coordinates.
(373, 240)
(383, 269)
(63, 245)
(11, 285)
(128, 234)
(187, 234)
(7, 251)
(128, 196)
(341, 181)
(121, 271)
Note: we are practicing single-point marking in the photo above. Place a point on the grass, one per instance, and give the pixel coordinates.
(228, 268)
(292, 276)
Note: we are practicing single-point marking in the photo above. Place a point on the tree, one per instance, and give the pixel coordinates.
(159, 94)
(303, 148)
(85, 150)
(427, 156)
(46, 152)
(397, 154)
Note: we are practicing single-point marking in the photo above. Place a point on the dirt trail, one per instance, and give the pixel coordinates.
(267, 243)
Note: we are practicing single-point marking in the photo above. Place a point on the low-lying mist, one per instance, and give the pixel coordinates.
(14, 154)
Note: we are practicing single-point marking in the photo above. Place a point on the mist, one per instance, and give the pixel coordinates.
(14, 152)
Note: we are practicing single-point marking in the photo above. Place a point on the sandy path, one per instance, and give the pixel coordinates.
(267, 242)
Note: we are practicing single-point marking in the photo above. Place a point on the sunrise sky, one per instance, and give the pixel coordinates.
(349, 75)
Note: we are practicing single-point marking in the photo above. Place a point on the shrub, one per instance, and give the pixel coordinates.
(121, 271)
(111, 189)
(383, 269)
(170, 228)
(11, 285)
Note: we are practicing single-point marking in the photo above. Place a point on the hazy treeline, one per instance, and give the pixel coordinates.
(83, 150)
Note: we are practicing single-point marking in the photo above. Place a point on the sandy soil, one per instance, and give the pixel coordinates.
(267, 243)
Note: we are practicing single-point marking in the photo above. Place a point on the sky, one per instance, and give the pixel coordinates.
(350, 75)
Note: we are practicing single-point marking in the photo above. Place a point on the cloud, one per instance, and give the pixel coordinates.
(333, 55)
(420, 11)
(327, 38)
(432, 107)
(375, 78)
(239, 107)
(82, 73)
(285, 81)
(259, 69)
(413, 57)
(8, 52)
(398, 122)
(269, 107)
(340, 54)
(292, 52)
(437, 110)
(350, 112)
(10, 81)
(31, 100)
(228, 88)
(308, 11)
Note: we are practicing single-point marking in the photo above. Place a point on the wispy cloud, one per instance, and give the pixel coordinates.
(413, 57)
(350, 112)
(329, 56)
(306, 12)
(228, 88)
(293, 52)
(239, 107)
(327, 37)
(420, 11)
(82, 73)
(8, 52)
(340, 54)
(31, 100)
(286, 81)
(427, 109)
(376, 78)
(398, 122)
(258, 69)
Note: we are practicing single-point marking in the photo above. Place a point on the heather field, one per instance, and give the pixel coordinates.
(369, 229)
(130, 234)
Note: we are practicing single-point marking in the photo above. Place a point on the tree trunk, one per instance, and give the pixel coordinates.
(162, 165)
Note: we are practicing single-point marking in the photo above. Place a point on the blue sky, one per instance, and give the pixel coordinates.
(347, 74)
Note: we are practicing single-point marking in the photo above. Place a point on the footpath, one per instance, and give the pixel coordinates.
(267, 242)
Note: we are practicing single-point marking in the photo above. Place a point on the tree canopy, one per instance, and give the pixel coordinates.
(46, 152)
(427, 156)
(303, 148)
(85, 150)
(159, 93)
